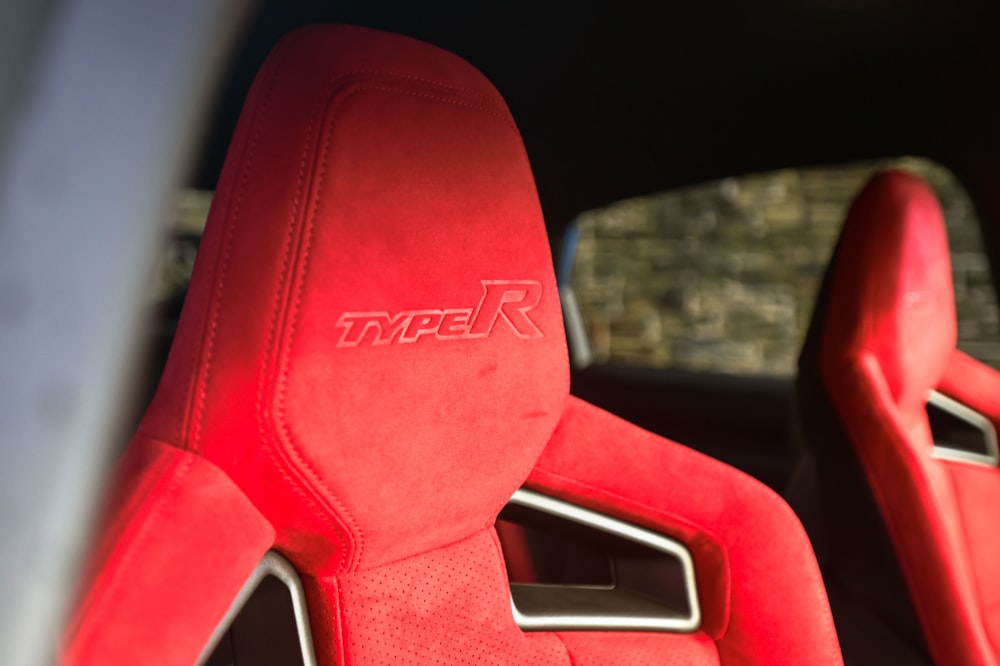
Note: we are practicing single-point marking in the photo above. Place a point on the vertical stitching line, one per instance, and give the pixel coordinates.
(299, 281)
(231, 221)
(296, 284)
(342, 651)
(325, 516)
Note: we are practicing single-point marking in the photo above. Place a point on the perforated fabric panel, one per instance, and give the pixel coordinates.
(449, 606)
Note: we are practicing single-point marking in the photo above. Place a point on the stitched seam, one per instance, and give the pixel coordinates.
(301, 259)
(338, 624)
(481, 104)
(231, 222)
(634, 502)
(188, 402)
(569, 655)
(281, 465)
(413, 556)
(325, 610)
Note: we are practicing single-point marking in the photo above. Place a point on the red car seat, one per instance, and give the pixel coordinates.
(370, 362)
(896, 500)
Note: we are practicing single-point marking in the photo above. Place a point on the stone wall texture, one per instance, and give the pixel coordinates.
(722, 277)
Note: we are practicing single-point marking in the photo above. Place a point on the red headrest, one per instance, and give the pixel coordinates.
(891, 293)
(372, 345)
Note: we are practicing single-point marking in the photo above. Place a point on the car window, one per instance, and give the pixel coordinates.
(722, 276)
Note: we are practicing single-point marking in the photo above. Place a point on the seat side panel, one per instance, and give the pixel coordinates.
(181, 540)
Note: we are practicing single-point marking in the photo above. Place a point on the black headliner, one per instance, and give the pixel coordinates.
(625, 98)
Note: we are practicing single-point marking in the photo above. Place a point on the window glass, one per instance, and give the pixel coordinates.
(722, 277)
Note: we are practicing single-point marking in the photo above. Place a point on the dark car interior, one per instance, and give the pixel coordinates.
(622, 100)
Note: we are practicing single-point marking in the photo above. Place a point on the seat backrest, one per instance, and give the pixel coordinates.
(883, 338)
(370, 362)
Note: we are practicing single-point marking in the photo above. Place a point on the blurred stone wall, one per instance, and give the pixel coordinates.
(178, 252)
(722, 277)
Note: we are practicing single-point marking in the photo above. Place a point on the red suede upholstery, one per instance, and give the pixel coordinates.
(762, 597)
(179, 545)
(974, 384)
(370, 361)
(889, 339)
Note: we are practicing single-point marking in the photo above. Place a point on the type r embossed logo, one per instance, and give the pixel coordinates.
(509, 301)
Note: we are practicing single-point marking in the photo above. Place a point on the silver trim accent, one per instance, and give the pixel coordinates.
(581, 352)
(275, 565)
(577, 514)
(974, 419)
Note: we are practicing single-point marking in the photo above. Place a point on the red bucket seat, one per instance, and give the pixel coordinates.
(883, 341)
(370, 361)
